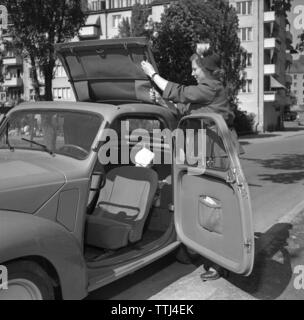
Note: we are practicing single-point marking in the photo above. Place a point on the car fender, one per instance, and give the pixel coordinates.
(24, 235)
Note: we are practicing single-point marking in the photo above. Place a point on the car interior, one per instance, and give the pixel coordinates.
(129, 207)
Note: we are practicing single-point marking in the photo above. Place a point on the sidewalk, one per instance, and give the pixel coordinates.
(272, 277)
(291, 130)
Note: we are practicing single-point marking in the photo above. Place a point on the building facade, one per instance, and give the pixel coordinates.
(266, 37)
(297, 75)
(16, 85)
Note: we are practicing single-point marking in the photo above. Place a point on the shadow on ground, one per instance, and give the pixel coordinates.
(281, 162)
(287, 162)
(272, 269)
(283, 178)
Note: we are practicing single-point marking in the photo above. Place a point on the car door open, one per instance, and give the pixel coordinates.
(213, 214)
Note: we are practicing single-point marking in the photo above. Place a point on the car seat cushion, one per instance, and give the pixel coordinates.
(123, 208)
(106, 233)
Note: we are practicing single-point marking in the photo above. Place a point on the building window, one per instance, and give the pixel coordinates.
(295, 92)
(246, 34)
(60, 72)
(295, 76)
(247, 86)
(62, 93)
(244, 7)
(116, 20)
(295, 84)
(96, 5)
(249, 60)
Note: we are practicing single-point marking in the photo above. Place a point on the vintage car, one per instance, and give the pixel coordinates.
(70, 224)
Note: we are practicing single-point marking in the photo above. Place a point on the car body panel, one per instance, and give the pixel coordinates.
(26, 236)
(213, 214)
(21, 179)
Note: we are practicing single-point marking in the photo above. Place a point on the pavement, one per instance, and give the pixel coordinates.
(274, 168)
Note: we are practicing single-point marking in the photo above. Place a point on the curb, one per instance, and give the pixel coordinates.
(279, 136)
(293, 213)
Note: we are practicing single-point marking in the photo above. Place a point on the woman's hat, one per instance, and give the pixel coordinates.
(211, 62)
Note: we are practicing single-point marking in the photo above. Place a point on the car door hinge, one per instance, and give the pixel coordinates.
(248, 246)
(235, 177)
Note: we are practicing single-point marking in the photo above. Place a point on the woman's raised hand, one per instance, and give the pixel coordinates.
(147, 68)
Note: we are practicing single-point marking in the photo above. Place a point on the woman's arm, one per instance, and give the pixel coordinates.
(177, 93)
(157, 79)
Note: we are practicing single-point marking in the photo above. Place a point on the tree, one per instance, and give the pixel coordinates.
(282, 6)
(37, 26)
(140, 14)
(189, 22)
(300, 45)
(124, 29)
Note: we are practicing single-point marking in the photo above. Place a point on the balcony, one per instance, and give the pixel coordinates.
(270, 16)
(14, 82)
(7, 38)
(289, 37)
(12, 61)
(89, 32)
(271, 43)
(270, 69)
(270, 96)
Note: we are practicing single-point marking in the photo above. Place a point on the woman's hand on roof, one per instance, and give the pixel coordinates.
(148, 68)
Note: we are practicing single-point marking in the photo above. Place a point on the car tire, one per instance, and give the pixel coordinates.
(185, 255)
(27, 281)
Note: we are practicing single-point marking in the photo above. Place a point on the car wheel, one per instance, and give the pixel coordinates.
(27, 281)
(185, 255)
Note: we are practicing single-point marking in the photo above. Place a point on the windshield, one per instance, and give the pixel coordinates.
(56, 132)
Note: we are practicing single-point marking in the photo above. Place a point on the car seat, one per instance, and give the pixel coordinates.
(123, 207)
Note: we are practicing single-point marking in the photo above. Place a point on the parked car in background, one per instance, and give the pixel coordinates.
(78, 224)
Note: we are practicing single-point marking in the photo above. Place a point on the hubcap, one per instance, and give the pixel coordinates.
(21, 289)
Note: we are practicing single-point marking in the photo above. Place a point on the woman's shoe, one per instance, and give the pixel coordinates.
(209, 275)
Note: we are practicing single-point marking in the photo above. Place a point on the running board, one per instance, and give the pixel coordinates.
(122, 271)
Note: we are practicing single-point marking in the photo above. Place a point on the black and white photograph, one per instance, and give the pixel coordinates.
(152, 151)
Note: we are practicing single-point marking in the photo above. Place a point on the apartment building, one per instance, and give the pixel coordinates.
(297, 75)
(17, 84)
(104, 16)
(266, 37)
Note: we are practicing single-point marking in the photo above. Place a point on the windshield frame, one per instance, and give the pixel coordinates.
(9, 117)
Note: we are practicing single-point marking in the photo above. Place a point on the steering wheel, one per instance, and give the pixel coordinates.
(66, 147)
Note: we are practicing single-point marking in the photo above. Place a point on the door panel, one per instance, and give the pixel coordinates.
(212, 207)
